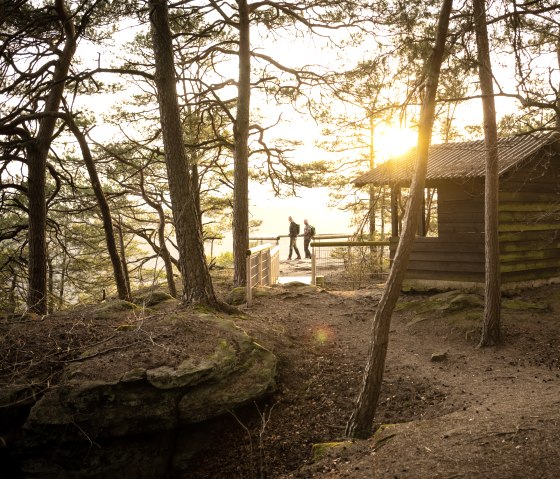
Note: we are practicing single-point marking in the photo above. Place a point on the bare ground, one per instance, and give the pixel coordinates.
(476, 413)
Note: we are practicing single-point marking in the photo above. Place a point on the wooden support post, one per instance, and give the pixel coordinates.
(422, 222)
(395, 191)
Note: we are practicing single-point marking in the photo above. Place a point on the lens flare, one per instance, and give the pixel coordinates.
(323, 334)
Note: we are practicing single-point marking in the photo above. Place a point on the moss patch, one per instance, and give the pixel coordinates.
(323, 449)
(152, 298)
(520, 305)
(113, 309)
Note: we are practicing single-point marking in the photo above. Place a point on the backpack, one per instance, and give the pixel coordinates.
(297, 228)
(312, 230)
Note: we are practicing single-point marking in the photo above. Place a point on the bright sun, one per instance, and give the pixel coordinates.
(393, 141)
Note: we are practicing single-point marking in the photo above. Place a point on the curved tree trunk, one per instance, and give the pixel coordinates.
(197, 283)
(37, 152)
(491, 330)
(123, 289)
(360, 423)
(162, 250)
(241, 151)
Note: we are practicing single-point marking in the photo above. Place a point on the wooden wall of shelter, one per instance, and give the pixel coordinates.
(529, 226)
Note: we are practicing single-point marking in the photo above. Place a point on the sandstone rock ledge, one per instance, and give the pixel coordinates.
(126, 407)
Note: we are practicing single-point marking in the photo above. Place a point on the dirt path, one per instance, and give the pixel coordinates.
(476, 413)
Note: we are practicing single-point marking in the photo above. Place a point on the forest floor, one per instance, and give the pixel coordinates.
(472, 413)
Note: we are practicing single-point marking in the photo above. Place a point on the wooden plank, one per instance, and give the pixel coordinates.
(530, 265)
(530, 275)
(528, 186)
(451, 266)
(519, 227)
(515, 206)
(468, 206)
(460, 217)
(528, 236)
(469, 237)
(447, 256)
(446, 228)
(530, 217)
(534, 254)
(445, 276)
(527, 197)
(469, 190)
(448, 241)
(511, 247)
(449, 247)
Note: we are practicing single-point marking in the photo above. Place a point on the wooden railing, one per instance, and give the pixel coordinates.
(356, 259)
(260, 239)
(263, 267)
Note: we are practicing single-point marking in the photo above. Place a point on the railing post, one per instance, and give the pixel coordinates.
(313, 266)
(269, 268)
(249, 292)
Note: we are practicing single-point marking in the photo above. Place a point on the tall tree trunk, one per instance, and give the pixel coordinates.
(12, 293)
(241, 151)
(164, 253)
(123, 289)
(372, 190)
(50, 285)
(557, 105)
(491, 330)
(197, 283)
(122, 252)
(360, 423)
(37, 152)
(63, 275)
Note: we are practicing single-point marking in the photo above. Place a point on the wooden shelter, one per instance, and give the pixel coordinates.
(529, 210)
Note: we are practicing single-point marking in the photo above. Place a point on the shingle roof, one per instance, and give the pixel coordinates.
(459, 160)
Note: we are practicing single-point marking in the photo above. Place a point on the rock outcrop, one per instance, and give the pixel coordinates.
(126, 406)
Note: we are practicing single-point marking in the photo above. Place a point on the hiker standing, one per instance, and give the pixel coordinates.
(308, 233)
(294, 232)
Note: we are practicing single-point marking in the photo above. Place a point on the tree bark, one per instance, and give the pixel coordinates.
(37, 152)
(50, 285)
(491, 330)
(197, 283)
(63, 275)
(361, 420)
(123, 289)
(122, 253)
(241, 151)
(163, 251)
(372, 190)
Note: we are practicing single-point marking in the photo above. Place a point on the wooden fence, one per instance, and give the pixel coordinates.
(263, 267)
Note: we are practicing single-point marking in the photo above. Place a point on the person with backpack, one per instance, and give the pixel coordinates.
(308, 234)
(294, 232)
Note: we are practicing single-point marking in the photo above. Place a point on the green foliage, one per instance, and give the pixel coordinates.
(224, 260)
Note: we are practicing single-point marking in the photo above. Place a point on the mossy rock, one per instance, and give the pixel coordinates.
(298, 285)
(262, 291)
(152, 298)
(111, 309)
(443, 303)
(324, 449)
(237, 296)
(465, 319)
(383, 434)
(462, 302)
(520, 305)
